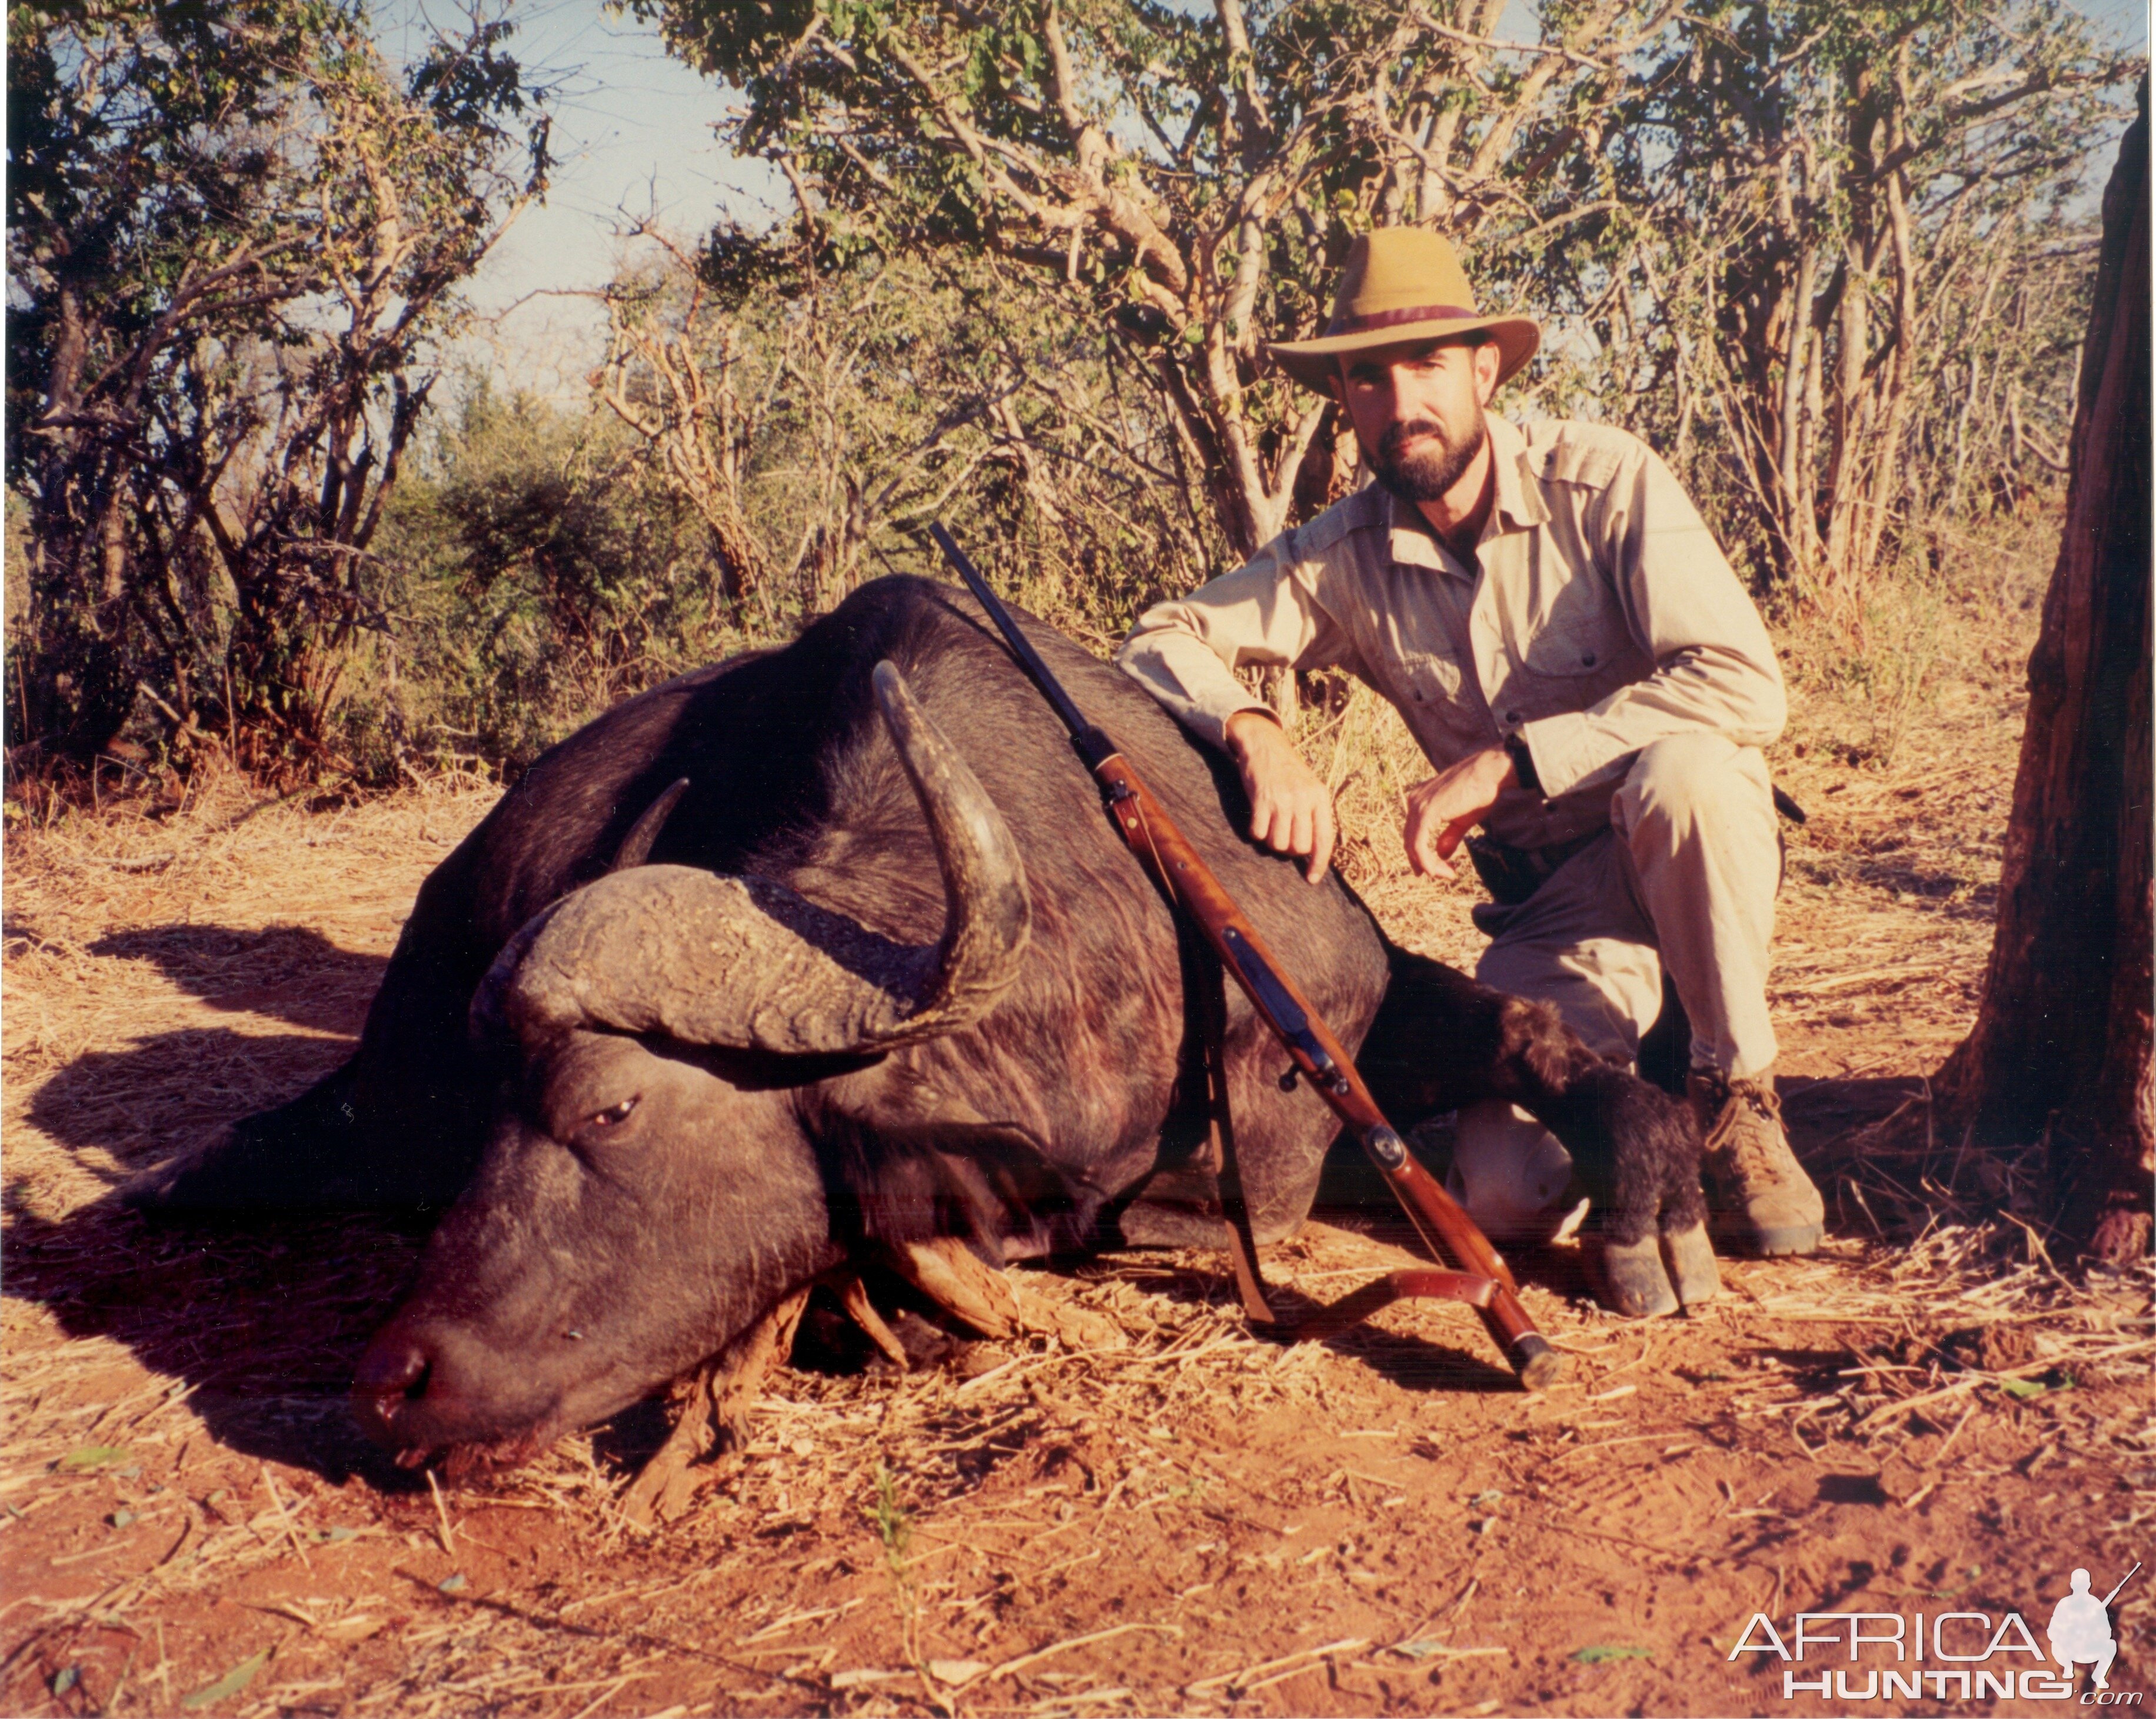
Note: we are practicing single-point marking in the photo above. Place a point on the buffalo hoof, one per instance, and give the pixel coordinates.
(1692, 1263)
(1634, 1280)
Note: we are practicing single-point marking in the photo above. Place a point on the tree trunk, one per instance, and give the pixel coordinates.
(2061, 1043)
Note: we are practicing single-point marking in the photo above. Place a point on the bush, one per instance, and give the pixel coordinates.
(538, 575)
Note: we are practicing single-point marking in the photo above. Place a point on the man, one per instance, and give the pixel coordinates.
(2080, 1631)
(1571, 651)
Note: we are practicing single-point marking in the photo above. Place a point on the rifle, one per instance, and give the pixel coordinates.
(1481, 1279)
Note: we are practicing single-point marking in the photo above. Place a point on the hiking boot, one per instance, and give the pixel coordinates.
(1756, 1189)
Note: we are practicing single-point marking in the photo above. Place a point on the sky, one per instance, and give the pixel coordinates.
(633, 130)
(632, 136)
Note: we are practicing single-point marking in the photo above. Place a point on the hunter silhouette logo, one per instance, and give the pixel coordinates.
(2080, 1627)
(1959, 1656)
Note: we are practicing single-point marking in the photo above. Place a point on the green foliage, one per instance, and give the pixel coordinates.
(893, 1528)
(1686, 198)
(1832, 259)
(538, 577)
(818, 422)
(234, 236)
(1872, 262)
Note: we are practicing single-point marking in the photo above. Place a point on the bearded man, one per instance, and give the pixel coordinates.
(1570, 649)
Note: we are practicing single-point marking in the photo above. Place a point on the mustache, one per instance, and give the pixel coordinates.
(1399, 434)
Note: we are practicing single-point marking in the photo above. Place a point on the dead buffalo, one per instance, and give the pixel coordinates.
(883, 973)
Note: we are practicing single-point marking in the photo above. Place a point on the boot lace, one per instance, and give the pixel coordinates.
(1746, 1126)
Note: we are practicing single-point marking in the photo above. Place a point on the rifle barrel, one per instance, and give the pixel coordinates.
(1092, 745)
(2122, 1581)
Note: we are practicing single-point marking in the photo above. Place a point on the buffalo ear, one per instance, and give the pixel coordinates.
(636, 846)
(487, 1018)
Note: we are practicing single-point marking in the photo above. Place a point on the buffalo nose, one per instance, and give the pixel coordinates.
(391, 1373)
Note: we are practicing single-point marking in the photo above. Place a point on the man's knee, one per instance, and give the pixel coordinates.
(1513, 1176)
(1600, 1000)
(1688, 782)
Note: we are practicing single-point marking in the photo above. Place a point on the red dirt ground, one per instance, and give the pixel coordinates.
(1925, 1418)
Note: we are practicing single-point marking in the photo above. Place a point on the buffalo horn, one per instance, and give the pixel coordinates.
(636, 846)
(747, 962)
(488, 1002)
(489, 1010)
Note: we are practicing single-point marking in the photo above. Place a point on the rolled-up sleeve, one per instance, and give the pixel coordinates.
(1268, 613)
(1684, 606)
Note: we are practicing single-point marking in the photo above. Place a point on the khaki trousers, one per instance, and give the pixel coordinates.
(1685, 879)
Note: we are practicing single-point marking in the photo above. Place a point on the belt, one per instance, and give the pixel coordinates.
(1513, 874)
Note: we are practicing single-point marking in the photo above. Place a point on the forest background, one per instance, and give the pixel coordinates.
(1834, 261)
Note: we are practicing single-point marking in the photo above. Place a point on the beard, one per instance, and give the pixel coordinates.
(1428, 473)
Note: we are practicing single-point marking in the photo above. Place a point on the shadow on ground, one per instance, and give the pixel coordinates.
(1413, 1361)
(261, 1319)
(1819, 1112)
(262, 1325)
(289, 972)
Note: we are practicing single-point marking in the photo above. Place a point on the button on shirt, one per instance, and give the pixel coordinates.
(1598, 615)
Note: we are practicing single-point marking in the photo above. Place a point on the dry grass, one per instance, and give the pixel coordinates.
(1195, 1521)
(944, 1542)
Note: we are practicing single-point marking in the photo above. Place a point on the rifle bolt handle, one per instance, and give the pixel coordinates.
(1288, 1080)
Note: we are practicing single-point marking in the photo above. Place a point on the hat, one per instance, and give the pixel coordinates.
(1401, 283)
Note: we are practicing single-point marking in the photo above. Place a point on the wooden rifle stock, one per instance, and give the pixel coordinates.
(1319, 1058)
(1483, 1280)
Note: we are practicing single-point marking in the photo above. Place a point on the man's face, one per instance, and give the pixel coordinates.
(1417, 409)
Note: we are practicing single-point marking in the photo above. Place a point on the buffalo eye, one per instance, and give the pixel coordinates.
(613, 1116)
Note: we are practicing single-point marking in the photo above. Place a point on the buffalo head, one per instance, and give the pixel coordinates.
(650, 1186)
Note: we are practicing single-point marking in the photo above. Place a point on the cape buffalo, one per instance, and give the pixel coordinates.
(881, 972)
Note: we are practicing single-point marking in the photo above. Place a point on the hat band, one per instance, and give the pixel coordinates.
(1394, 319)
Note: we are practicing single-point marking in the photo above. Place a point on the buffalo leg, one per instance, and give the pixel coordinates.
(280, 1159)
(1441, 1041)
(714, 1413)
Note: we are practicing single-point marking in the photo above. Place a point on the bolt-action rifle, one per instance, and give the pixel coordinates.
(1480, 1278)
(2122, 1581)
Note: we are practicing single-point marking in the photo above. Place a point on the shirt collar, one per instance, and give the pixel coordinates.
(1413, 544)
(1519, 504)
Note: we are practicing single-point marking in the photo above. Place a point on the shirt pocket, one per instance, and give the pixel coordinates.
(1433, 680)
(1578, 637)
(1442, 702)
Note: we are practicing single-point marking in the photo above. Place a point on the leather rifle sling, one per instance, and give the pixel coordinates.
(1205, 1000)
(1209, 1006)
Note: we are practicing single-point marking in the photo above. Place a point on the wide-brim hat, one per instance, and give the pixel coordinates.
(1401, 283)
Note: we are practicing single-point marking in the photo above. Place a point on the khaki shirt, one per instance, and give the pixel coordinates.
(1599, 616)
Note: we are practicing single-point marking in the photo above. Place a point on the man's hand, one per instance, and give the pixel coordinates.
(1441, 811)
(1290, 809)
